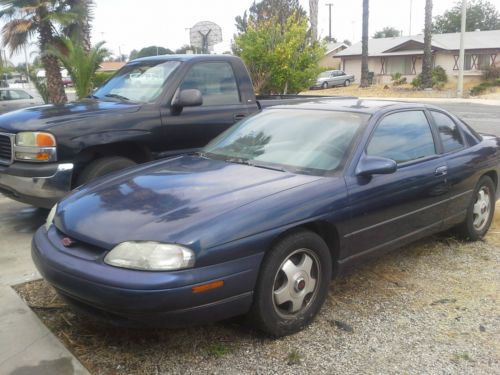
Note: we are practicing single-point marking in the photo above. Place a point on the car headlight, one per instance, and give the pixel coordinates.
(50, 217)
(35, 146)
(150, 256)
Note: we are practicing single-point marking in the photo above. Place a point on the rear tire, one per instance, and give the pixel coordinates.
(293, 284)
(480, 211)
(103, 166)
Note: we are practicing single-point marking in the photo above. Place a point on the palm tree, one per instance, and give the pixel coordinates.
(427, 61)
(313, 18)
(364, 46)
(80, 29)
(80, 64)
(29, 18)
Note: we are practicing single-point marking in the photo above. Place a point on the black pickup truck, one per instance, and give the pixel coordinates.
(151, 108)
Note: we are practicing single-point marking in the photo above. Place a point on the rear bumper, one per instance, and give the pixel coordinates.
(141, 298)
(36, 184)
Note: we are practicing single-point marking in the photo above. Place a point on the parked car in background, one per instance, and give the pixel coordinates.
(332, 78)
(263, 217)
(151, 108)
(12, 99)
(67, 82)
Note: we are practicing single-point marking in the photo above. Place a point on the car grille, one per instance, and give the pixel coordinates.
(5, 148)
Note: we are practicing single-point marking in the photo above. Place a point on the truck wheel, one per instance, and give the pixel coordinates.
(102, 166)
(293, 284)
(480, 211)
(347, 83)
(324, 85)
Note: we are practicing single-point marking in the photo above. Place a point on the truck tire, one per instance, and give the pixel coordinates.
(103, 166)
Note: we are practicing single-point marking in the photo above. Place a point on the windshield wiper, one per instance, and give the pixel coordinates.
(253, 164)
(117, 96)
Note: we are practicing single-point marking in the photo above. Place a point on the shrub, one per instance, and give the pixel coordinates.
(439, 78)
(397, 79)
(101, 77)
(492, 73)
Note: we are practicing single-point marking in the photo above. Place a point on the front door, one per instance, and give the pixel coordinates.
(391, 210)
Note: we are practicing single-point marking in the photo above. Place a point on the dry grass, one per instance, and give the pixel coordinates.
(432, 307)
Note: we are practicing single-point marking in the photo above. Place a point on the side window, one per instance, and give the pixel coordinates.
(448, 132)
(402, 136)
(216, 82)
(16, 95)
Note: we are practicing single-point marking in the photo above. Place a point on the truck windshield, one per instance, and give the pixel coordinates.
(138, 82)
(303, 141)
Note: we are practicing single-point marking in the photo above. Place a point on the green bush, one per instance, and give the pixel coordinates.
(492, 73)
(397, 79)
(439, 78)
(483, 86)
(101, 77)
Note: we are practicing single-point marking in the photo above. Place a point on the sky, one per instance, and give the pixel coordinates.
(132, 24)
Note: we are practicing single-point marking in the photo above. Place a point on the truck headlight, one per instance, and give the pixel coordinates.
(150, 256)
(50, 217)
(35, 146)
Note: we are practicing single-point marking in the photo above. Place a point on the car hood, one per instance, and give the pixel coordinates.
(167, 201)
(48, 116)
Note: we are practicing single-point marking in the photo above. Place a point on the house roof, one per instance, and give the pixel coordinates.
(450, 42)
(330, 47)
(110, 66)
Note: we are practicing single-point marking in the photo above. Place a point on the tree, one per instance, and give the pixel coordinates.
(364, 45)
(347, 42)
(427, 61)
(481, 14)
(80, 29)
(278, 10)
(186, 47)
(313, 18)
(387, 32)
(150, 51)
(80, 64)
(280, 59)
(26, 19)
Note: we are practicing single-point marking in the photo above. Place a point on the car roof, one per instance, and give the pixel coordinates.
(368, 106)
(184, 57)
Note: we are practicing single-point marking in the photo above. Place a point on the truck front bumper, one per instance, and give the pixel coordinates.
(36, 184)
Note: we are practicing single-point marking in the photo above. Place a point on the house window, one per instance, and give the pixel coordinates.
(477, 62)
(399, 64)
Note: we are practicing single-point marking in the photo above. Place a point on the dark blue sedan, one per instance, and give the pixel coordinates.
(267, 214)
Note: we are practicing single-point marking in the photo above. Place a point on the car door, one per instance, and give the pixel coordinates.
(461, 165)
(335, 78)
(222, 107)
(390, 210)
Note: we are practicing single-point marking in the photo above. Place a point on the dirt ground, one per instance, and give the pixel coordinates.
(430, 308)
(404, 91)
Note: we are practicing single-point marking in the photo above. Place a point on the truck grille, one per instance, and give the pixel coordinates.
(5, 148)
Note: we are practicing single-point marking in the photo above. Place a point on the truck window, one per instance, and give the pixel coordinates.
(215, 80)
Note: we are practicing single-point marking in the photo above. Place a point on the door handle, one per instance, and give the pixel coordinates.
(239, 116)
(441, 171)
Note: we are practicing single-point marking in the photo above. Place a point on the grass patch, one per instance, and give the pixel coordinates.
(293, 358)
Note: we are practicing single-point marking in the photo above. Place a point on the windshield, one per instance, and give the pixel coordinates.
(325, 74)
(139, 82)
(303, 141)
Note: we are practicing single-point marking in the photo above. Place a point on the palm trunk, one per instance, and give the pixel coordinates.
(364, 46)
(427, 62)
(313, 17)
(55, 86)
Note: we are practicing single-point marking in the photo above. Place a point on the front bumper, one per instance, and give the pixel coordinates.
(142, 298)
(41, 185)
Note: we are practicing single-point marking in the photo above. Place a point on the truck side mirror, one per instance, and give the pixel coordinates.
(188, 98)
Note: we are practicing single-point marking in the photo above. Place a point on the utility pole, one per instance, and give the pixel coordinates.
(329, 5)
(461, 58)
(411, 8)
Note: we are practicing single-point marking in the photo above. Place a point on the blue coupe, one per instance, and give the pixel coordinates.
(266, 215)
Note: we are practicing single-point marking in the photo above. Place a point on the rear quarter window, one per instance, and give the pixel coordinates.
(449, 132)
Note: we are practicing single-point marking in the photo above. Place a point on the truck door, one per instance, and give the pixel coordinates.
(222, 107)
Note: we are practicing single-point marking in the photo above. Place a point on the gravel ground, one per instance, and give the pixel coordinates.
(430, 308)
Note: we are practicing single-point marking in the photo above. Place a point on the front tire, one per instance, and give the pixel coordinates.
(324, 85)
(103, 166)
(293, 284)
(480, 211)
(347, 83)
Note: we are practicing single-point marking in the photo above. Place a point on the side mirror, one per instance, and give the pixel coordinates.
(370, 165)
(188, 98)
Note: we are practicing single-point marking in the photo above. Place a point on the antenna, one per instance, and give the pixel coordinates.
(204, 35)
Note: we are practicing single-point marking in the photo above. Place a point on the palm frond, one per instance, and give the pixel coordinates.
(16, 33)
